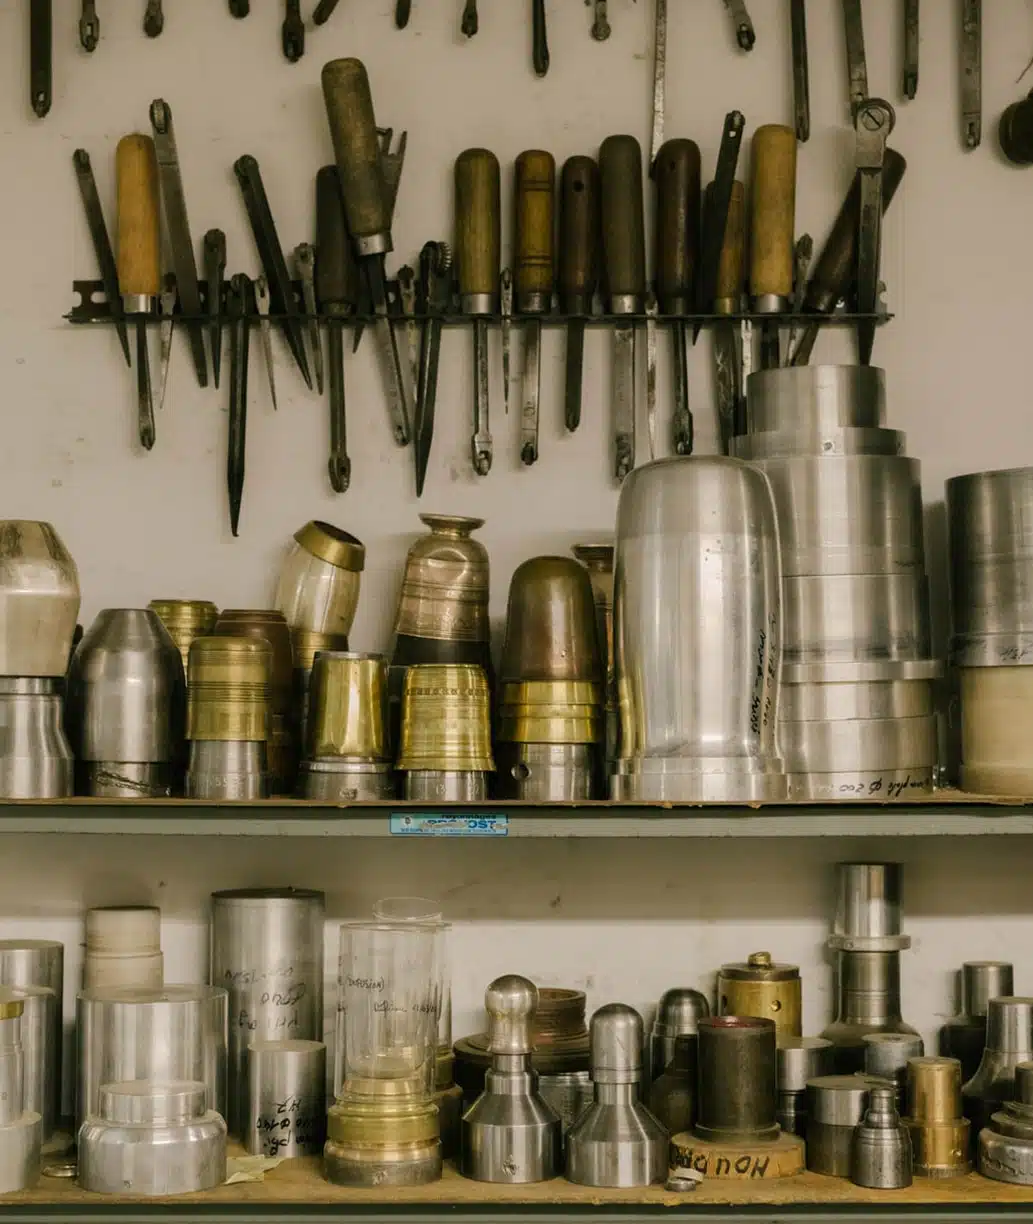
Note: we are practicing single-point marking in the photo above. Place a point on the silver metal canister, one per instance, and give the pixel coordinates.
(152, 1139)
(176, 1033)
(35, 757)
(20, 1129)
(286, 1098)
(698, 691)
(40, 962)
(267, 951)
(40, 1093)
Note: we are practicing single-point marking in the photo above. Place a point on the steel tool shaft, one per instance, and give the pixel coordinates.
(506, 327)
(857, 64)
(89, 25)
(578, 269)
(407, 298)
(153, 18)
(240, 307)
(179, 232)
(292, 32)
(260, 293)
(801, 69)
(539, 38)
(368, 207)
(214, 271)
(41, 38)
(533, 278)
(729, 391)
(873, 123)
(715, 217)
(744, 32)
(435, 283)
(101, 245)
(166, 309)
(910, 48)
(323, 11)
(469, 23)
(659, 77)
(305, 259)
(972, 72)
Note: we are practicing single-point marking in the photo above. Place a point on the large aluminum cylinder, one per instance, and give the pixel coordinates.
(176, 1033)
(737, 1079)
(40, 962)
(286, 1098)
(822, 396)
(848, 618)
(267, 951)
(40, 1093)
(698, 685)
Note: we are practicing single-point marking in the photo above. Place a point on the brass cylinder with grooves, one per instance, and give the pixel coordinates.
(228, 689)
(446, 719)
(759, 987)
(348, 707)
(939, 1133)
(550, 712)
(598, 560)
(185, 619)
(394, 1142)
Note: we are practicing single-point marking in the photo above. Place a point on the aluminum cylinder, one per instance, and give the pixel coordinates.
(867, 1001)
(267, 951)
(842, 701)
(568, 1095)
(847, 618)
(40, 962)
(286, 1098)
(737, 1094)
(835, 1105)
(227, 769)
(128, 779)
(152, 1139)
(868, 908)
(870, 745)
(20, 1143)
(759, 987)
(939, 1134)
(798, 1060)
(41, 1091)
(35, 757)
(831, 396)
(175, 1033)
(39, 600)
(548, 773)
(828, 441)
(335, 780)
(698, 690)
(880, 1154)
(886, 1056)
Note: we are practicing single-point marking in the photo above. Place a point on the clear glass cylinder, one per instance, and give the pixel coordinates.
(387, 1019)
(428, 912)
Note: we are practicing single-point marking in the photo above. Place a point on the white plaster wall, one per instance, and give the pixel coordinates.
(624, 921)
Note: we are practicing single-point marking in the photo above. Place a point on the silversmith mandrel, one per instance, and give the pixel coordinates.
(880, 1152)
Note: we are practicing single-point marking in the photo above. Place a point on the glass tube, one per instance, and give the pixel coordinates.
(388, 1009)
(427, 911)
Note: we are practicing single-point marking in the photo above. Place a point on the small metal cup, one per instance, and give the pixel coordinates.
(446, 719)
(347, 714)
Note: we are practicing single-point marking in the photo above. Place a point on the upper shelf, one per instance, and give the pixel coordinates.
(948, 813)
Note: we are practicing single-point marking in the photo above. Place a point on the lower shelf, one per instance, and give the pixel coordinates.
(296, 1191)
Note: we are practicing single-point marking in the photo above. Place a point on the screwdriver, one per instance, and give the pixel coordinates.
(676, 172)
(728, 301)
(772, 223)
(533, 278)
(367, 207)
(337, 291)
(624, 274)
(478, 243)
(578, 268)
(139, 259)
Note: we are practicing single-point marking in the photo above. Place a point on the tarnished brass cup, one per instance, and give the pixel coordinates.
(318, 589)
(228, 689)
(551, 712)
(348, 707)
(185, 619)
(551, 623)
(598, 560)
(446, 719)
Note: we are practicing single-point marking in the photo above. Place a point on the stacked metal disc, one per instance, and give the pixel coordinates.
(39, 603)
(990, 518)
(125, 707)
(445, 747)
(549, 735)
(271, 626)
(857, 717)
(228, 718)
(347, 754)
(318, 592)
(185, 619)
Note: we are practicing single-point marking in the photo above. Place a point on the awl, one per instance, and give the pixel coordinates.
(101, 245)
(533, 279)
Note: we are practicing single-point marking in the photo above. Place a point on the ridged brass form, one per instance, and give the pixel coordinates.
(550, 712)
(445, 586)
(380, 1142)
(761, 988)
(347, 714)
(446, 719)
(329, 543)
(551, 623)
(939, 1134)
(228, 689)
(185, 619)
(598, 560)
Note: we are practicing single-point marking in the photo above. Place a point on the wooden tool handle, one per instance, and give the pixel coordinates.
(337, 277)
(728, 297)
(579, 233)
(478, 221)
(353, 130)
(676, 172)
(623, 223)
(535, 208)
(772, 211)
(139, 233)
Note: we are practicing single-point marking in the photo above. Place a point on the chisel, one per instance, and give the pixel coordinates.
(478, 239)
(676, 173)
(728, 387)
(835, 271)
(624, 275)
(533, 279)
(578, 269)
(41, 39)
(214, 271)
(139, 257)
(101, 245)
(367, 206)
(772, 222)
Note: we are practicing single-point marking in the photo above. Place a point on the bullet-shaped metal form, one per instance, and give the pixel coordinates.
(21, 1129)
(551, 631)
(1009, 1041)
(672, 1096)
(737, 1094)
(939, 1134)
(759, 987)
(286, 1098)
(886, 1056)
(678, 1012)
(616, 1141)
(1005, 1145)
(880, 1153)
(41, 962)
(510, 1135)
(964, 1036)
(267, 952)
(835, 1106)
(798, 1060)
(151, 1139)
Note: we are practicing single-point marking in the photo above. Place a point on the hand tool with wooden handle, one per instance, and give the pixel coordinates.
(139, 257)
(539, 38)
(835, 271)
(910, 48)
(624, 275)
(178, 226)
(337, 292)
(873, 123)
(772, 229)
(270, 252)
(715, 215)
(578, 269)
(535, 181)
(729, 391)
(101, 245)
(435, 290)
(971, 72)
(478, 242)
(214, 271)
(41, 39)
(367, 206)
(676, 173)
(801, 69)
(240, 306)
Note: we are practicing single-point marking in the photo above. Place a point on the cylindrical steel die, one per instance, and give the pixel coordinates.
(836, 1104)
(286, 1098)
(737, 1095)
(40, 962)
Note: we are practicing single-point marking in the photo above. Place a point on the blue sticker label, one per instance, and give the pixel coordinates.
(437, 824)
